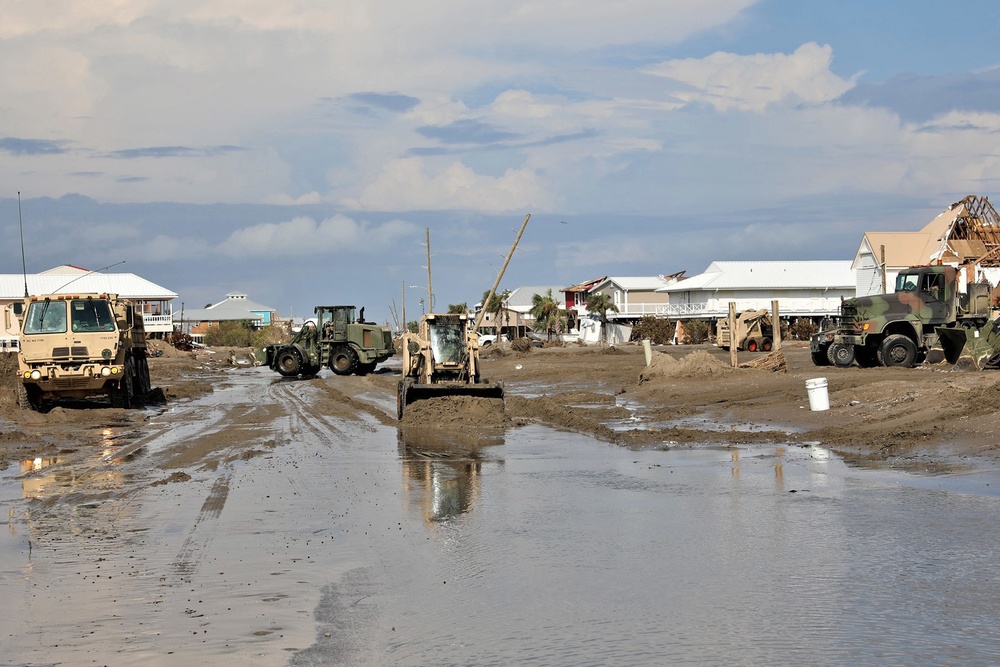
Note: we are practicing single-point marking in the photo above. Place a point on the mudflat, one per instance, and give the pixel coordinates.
(688, 395)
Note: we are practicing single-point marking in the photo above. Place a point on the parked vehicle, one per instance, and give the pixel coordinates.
(335, 338)
(753, 331)
(898, 329)
(80, 346)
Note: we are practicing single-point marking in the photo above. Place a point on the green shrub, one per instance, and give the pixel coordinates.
(803, 328)
(658, 330)
(696, 331)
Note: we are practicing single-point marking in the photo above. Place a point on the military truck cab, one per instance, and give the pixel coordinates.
(898, 329)
(79, 346)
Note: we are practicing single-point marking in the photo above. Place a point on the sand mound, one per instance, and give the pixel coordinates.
(472, 412)
(696, 364)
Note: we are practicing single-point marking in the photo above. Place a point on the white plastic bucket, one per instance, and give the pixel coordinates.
(818, 398)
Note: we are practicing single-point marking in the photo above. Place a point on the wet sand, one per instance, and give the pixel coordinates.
(688, 395)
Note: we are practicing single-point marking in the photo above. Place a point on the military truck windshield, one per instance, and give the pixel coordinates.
(45, 317)
(447, 341)
(906, 283)
(90, 315)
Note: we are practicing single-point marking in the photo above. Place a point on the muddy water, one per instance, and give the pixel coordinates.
(315, 541)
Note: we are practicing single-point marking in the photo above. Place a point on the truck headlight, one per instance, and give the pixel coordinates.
(36, 375)
(114, 370)
(106, 371)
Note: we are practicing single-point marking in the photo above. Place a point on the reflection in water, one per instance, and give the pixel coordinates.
(442, 469)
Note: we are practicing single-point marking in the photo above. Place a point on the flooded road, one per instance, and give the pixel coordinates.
(252, 528)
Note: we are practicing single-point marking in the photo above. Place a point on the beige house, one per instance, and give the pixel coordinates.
(967, 230)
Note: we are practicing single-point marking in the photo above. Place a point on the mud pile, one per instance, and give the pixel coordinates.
(694, 365)
(8, 369)
(472, 412)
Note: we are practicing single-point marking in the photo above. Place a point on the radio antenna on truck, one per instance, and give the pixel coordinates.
(84, 275)
(24, 267)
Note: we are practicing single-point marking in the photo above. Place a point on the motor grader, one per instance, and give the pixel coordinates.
(442, 359)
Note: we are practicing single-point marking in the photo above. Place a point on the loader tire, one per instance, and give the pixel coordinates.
(288, 363)
(343, 360)
(898, 350)
(766, 345)
(752, 345)
(840, 355)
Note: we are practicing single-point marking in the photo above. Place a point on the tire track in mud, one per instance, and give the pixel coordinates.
(192, 552)
(280, 415)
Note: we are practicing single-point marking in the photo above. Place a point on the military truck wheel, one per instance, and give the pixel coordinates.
(121, 396)
(898, 350)
(840, 355)
(343, 360)
(819, 357)
(288, 363)
(27, 397)
(866, 357)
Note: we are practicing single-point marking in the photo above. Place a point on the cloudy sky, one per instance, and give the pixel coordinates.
(298, 150)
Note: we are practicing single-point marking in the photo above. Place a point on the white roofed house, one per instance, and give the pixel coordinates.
(810, 289)
(636, 296)
(236, 307)
(516, 318)
(149, 298)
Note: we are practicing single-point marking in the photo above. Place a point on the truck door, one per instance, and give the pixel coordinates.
(933, 292)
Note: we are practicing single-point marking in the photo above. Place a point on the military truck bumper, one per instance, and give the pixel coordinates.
(87, 378)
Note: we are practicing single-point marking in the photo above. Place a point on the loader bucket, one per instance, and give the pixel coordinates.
(408, 391)
(971, 349)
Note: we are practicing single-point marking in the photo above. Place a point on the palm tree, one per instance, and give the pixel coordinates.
(601, 303)
(496, 306)
(547, 313)
(458, 308)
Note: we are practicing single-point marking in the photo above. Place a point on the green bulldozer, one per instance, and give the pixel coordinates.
(335, 338)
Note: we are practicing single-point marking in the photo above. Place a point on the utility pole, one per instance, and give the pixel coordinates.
(430, 294)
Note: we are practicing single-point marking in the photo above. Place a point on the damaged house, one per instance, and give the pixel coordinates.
(967, 231)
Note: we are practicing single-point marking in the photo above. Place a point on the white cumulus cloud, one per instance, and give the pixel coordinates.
(751, 83)
(303, 236)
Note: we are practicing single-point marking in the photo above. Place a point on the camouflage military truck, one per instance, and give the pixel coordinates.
(79, 346)
(335, 339)
(898, 329)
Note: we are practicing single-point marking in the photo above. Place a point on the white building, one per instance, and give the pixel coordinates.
(149, 298)
(802, 288)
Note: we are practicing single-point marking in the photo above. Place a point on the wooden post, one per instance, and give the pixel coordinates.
(775, 325)
(882, 266)
(733, 341)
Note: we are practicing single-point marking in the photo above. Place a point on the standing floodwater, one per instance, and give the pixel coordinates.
(314, 540)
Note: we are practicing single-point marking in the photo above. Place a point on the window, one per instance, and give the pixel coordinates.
(91, 315)
(45, 317)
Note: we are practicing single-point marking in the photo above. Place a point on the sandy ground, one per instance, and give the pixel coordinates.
(688, 395)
